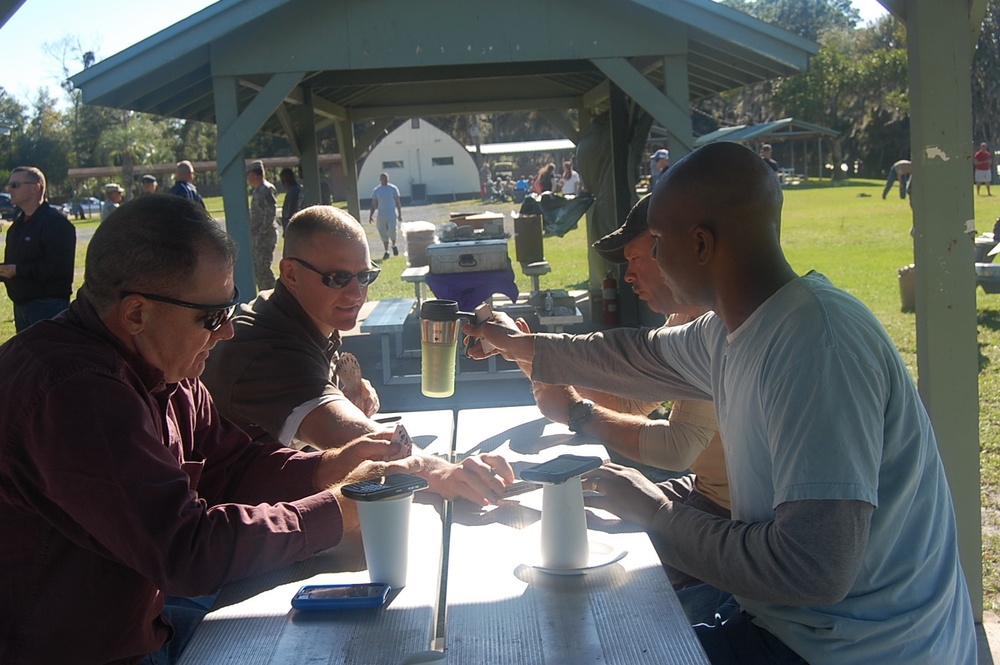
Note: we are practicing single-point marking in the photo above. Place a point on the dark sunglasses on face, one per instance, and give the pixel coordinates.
(216, 316)
(15, 185)
(338, 279)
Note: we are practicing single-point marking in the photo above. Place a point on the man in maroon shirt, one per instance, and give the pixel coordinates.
(982, 162)
(120, 484)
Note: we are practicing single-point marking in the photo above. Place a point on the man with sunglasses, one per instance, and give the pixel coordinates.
(282, 376)
(40, 251)
(122, 489)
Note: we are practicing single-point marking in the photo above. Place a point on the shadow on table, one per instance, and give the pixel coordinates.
(516, 514)
(525, 439)
(349, 556)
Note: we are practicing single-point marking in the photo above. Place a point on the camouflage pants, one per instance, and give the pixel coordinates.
(263, 239)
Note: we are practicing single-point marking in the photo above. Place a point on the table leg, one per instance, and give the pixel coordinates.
(386, 360)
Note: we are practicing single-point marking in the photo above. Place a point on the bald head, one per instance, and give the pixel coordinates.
(730, 181)
(716, 216)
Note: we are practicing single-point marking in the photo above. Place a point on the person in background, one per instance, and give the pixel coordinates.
(545, 179)
(263, 236)
(113, 193)
(485, 173)
(765, 154)
(901, 171)
(122, 489)
(842, 547)
(294, 195)
(39, 253)
(148, 184)
(659, 162)
(385, 200)
(570, 183)
(982, 161)
(184, 183)
(283, 376)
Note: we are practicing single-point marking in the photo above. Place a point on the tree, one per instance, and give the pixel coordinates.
(44, 143)
(806, 18)
(137, 139)
(856, 84)
(985, 85)
(13, 116)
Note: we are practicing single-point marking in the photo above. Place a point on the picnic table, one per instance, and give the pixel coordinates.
(475, 592)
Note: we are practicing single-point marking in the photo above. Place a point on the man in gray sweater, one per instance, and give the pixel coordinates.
(842, 544)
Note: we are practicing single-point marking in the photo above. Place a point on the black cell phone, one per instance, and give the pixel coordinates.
(383, 487)
(340, 596)
(561, 469)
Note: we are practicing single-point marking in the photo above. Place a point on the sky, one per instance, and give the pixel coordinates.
(107, 27)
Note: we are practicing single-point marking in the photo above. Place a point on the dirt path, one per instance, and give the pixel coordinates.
(437, 213)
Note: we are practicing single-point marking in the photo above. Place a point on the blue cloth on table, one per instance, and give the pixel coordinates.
(470, 289)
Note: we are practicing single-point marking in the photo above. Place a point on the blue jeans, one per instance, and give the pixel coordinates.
(184, 614)
(700, 602)
(733, 639)
(903, 180)
(36, 310)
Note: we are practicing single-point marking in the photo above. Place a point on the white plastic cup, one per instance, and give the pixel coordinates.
(564, 526)
(385, 529)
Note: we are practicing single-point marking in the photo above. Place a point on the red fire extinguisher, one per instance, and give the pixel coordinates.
(609, 300)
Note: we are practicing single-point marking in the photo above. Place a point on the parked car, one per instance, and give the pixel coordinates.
(7, 209)
(85, 207)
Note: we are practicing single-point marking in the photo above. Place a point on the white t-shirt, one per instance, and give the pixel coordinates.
(386, 195)
(571, 184)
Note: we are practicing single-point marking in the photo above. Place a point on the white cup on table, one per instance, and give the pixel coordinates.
(385, 529)
(564, 526)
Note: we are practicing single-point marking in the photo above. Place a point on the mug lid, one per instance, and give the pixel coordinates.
(437, 309)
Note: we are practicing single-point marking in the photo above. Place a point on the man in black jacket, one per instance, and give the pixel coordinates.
(40, 251)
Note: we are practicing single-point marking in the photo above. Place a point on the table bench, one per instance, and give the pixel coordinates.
(388, 318)
(417, 275)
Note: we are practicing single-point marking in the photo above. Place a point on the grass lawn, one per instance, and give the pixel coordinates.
(846, 232)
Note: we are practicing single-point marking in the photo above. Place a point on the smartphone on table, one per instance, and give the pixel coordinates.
(383, 487)
(561, 469)
(340, 596)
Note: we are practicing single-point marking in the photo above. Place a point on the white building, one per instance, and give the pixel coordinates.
(423, 162)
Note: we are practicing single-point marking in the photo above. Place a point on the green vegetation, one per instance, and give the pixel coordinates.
(845, 231)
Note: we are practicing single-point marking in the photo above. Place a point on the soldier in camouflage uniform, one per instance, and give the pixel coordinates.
(263, 205)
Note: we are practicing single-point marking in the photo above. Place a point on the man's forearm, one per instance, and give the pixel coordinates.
(625, 362)
(808, 555)
(618, 431)
(333, 424)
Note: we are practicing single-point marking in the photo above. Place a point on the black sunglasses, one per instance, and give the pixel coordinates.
(338, 279)
(216, 316)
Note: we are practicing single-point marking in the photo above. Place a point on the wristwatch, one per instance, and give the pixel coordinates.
(579, 413)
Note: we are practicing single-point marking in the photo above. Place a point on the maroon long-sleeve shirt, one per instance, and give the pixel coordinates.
(117, 489)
